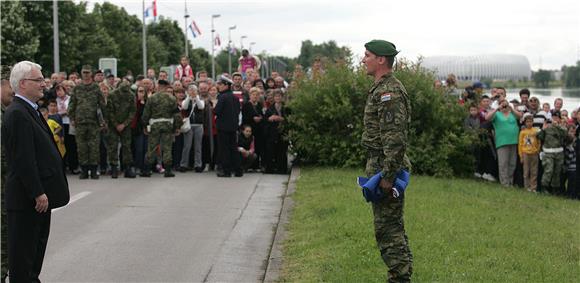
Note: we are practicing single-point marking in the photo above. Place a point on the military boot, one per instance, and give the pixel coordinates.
(84, 173)
(146, 172)
(94, 174)
(168, 172)
(129, 172)
(114, 172)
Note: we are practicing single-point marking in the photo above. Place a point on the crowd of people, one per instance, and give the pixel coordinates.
(108, 125)
(525, 143)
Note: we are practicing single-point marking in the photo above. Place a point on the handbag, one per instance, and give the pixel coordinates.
(186, 126)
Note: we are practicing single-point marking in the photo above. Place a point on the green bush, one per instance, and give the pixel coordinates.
(326, 123)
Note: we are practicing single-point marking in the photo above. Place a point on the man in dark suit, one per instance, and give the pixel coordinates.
(36, 182)
(227, 111)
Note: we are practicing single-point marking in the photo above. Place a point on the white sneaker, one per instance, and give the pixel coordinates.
(477, 175)
(488, 177)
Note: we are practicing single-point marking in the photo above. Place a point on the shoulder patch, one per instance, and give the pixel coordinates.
(386, 96)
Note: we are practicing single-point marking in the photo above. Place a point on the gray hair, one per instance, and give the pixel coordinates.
(192, 87)
(19, 72)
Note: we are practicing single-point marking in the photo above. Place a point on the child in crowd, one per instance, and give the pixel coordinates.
(546, 111)
(246, 147)
(529, 149)
(554, 137)
(472, 123)
(56, 129)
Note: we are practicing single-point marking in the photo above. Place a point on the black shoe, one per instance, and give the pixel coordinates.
(168, 172)
(114, 172)
(223, 174)
(199, 169)
(94, 174)
(84, 173)
(182, 169)
(145, 173)
(130, 172)
(239, 174)
(75, 171)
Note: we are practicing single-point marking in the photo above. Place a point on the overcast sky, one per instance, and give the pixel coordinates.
(547, 32)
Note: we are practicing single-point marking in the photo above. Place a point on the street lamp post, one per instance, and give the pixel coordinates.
(213, 45)
(242, 41)
(185, 16)
(251, 44)
(230, 48)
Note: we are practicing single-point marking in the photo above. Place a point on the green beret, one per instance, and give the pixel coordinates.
(381, 48)
(6, 72)
(87, 68)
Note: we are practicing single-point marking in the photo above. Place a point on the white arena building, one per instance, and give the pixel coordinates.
(499, 67)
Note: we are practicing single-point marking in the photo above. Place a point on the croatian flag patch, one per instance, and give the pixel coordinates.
(386, 97)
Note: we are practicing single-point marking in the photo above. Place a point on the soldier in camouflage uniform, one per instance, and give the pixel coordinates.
(7, 96)
(554, 138)
(87, 112)
(387, 118)
(162, 116)
(120, 112)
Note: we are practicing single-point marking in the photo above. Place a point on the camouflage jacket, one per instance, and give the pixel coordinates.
(162, 105)
(554, 136)
(121, 106)
(85, 104)
(387, 119)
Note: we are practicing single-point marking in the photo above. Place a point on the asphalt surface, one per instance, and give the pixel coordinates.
(191, 228)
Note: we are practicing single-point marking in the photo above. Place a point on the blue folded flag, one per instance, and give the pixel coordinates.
(372, 192)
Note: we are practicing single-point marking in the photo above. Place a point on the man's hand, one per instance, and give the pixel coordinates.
(120, 128)
(41, 203)
(257, 119)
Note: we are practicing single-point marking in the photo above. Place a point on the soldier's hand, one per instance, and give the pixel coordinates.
(41, 203)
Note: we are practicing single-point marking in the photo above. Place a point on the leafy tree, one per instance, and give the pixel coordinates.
(542, 77)
(328, 50)
(19, 39)
(572, 75)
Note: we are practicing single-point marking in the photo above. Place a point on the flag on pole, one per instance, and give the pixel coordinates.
(217, 41)
(194, 29)
(151, 10)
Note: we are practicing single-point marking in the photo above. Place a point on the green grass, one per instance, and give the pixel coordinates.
(460, 230)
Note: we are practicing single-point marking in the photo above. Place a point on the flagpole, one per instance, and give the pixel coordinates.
(144, 42)
(213, 46)
(230, 48)
(55, 33)
(185, 30)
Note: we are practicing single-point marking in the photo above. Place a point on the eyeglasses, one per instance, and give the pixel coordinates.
(38, 80)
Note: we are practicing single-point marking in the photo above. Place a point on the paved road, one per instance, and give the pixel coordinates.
(191, 228)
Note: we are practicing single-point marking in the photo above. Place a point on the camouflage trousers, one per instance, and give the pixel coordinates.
(163, 139)
(87, 138)
(390, 230)
(553, 164)
(113, 140)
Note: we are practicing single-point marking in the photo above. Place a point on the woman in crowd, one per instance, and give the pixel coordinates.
(505, 122)
(275, 158)
(252, 116)
(137, 127)
(71, 157)
(210, 145)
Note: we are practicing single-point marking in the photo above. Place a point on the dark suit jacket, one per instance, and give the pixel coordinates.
(227, 111)
(35, 166)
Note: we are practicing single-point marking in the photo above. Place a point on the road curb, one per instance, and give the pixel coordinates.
(275, 259)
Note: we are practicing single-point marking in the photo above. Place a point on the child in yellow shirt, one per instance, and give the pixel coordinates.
(529, 149)
(55, 128)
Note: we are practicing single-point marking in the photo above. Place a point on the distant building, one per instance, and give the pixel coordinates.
(499, 67)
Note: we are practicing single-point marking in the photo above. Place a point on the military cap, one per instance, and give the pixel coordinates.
(163, 82)
(6, 72)
(87, 68)
(224, 80)
(381, 47)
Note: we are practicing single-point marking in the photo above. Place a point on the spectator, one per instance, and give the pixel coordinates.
(163, 76)
(528, 150)
(500, 94)
(558, 103)
(246, 148)
(505, 123)
(151, 74)
(247, 85)
(275, 158)
(554, 137)
(73, 76)
(56, 130)
(183, 70)
(316, 71)
(140, 139)
(111, 83)
(99, 76)
(546, 112)
(202, 76)
(570, 163)
(71, 157)
(248, 61)
(471, 123)
(252, 116)
(451, 86)
(194, 106)
(238, 81)
(185, 82)
(259, 84)
(523, 105)
(270, 83)
(210, 145)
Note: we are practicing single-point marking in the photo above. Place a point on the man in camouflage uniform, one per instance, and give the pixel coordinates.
(554, 138)
(86, 111)
(120, 111)
(162, 116)
(7, 96)
(387, 118)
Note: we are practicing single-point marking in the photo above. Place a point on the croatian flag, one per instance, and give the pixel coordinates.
(151, 10)
(217, 41)
(194, 29)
